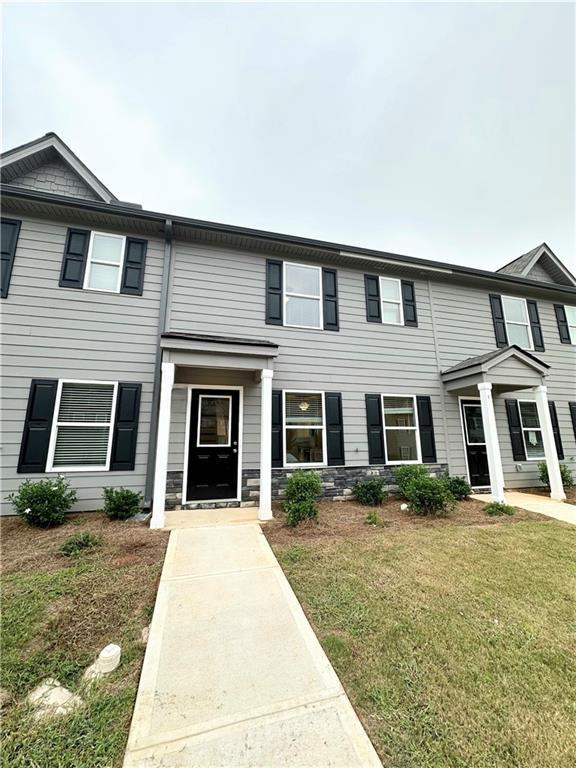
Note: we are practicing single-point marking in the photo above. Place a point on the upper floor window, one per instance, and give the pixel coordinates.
(517, 322)
(571, 320)
(302, 295)
(391, 297)
(102, 261)
(105, 262)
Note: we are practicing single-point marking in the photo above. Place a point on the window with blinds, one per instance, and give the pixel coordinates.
(304, 434)
(401, 429)
(83, 425)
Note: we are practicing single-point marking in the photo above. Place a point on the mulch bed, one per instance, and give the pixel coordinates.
(122, 542)
(342, 519)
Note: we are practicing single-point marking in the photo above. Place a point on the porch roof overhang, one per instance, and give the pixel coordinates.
(507, 369)
(228, 352)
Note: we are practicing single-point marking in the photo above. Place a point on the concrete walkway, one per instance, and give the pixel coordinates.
(533, 502)
(234, 676)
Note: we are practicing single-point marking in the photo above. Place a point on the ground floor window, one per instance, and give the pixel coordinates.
(304, 429)
(81, 436)
(531, 430)
(401, 429)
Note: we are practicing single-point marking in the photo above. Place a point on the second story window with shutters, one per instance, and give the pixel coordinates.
(391, 296)
(302, 295)
(517, 322)
(105, 262)
(82, 428)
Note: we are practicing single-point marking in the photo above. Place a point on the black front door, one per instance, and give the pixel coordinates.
(475, 441)
(213, 447)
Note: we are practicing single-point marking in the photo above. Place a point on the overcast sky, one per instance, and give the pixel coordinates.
(443, 131)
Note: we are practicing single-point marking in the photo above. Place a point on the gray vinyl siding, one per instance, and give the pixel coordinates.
(464, 328)
(57, 178)
(539, 273)
(53, 332)
(222, 292)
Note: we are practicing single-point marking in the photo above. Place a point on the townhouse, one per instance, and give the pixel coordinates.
(201, 363)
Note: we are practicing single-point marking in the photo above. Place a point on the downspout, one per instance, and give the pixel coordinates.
(167, 264)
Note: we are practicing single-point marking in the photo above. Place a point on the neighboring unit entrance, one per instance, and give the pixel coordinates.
(213, 445)
(475, 443)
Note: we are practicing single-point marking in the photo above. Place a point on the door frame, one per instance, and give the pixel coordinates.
(190, 387)
(464, 440)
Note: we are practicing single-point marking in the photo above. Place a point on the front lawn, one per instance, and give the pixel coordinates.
(57, 614)
(453, 638)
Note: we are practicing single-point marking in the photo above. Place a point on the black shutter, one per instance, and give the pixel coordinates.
(572, 407)
(74, 261)
(562, 321)
(409, 303)
(376, 453)
(334, 428)
(556, 429)
(515, 426)
(273, 292)
(125, 427)
(534, 318)
(134, 266)
(37, 426)
(372, 289)
(498, 320)
(8, 239)
(426, 426)
(277, 442)
(330, 299)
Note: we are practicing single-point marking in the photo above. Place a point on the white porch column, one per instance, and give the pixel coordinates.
(265, 510)
(554, 476)
(492, 444)
(159, 500)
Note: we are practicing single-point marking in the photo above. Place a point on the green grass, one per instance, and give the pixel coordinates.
(56, 617)
(455, 644)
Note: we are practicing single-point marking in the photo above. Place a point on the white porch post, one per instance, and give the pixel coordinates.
(265, 510)
(159, 500)
(492, 444)
(554, 476)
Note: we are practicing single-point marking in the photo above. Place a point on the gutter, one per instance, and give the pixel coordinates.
(382, 257)
(166, 268)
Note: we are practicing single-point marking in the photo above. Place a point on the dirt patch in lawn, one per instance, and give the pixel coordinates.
(25, 547)
(342, 519)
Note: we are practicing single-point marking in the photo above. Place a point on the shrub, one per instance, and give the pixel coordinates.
(75, 544)
(370, 491)
(495, 508)
(373, 518)
(565, 474)
(43, 503)
(302, 489)
(406, 474)
(429, 496)
(458, 487)
(121, 503)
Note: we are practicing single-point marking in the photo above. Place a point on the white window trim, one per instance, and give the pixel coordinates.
(55, 424)
(391, 301)
(571, 327)
(90, 261)
(289, 294)
(530, 429)
(515, 322)
(465, 423)
(324, 463)
(227, 444)
(415, 428)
